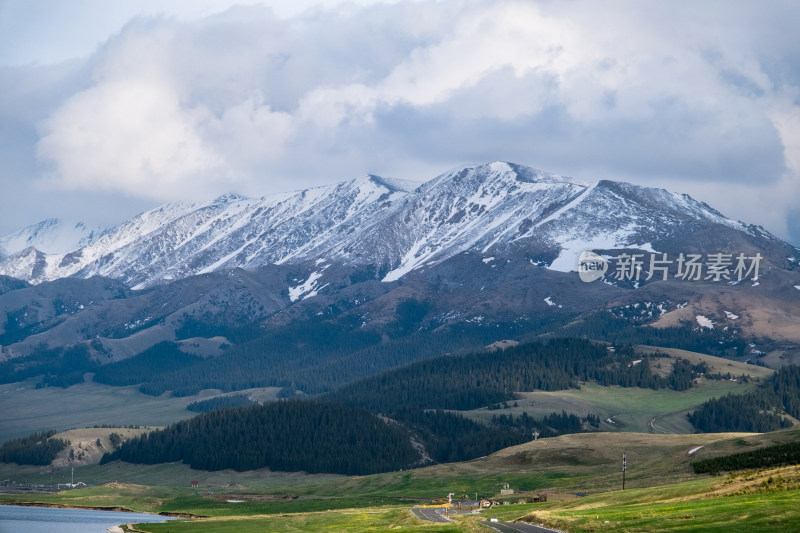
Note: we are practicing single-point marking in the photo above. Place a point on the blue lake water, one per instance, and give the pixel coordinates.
(19, 519)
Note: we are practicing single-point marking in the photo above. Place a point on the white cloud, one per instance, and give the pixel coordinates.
(131, 136)
(696, 97)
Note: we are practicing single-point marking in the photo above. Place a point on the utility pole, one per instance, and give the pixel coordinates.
(623, 471)
(72, 485)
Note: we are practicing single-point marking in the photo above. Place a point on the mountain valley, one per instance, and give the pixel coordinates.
(453, 319)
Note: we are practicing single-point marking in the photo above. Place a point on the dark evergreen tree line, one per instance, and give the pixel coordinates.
(550, 425)
(278, 358)
(69, 368)
(161, 358)
(314, 357)
(745, 413)
(448, 437)
(771, 456)
(58, 367)
(115, 439)
(287, 435)
(15, 328)
(313, 437)
(480, 379)
(220, 402)
(757, 411)
(603, 325)
(683, 373)
(38, 449)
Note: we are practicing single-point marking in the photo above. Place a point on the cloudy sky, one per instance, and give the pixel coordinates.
(110, 107)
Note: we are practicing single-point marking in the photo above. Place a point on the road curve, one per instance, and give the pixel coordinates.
(655, 419)
(517, 527)
(431, 514)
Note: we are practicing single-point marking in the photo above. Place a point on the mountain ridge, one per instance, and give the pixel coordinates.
(52, 235)
(372, 221)
(485, 244)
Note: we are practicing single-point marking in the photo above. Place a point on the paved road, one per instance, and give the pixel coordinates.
(431, 514)
(654, 421)
(516, 527)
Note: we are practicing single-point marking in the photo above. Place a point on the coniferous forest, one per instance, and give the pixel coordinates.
(36, 449)
(351, 426)
(369, 425)
(757, 411)
(286, 435)
(318, 356)
(481, 379)
(771, 456)
(301, 435)
(314, 357)
(220, 402)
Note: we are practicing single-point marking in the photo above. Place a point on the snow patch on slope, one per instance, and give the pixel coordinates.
(567, 260)
(704, 322)
(308, 288)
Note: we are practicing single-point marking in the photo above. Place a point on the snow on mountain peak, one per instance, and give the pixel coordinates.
(391, 225)
(393, 184)
(50, 236)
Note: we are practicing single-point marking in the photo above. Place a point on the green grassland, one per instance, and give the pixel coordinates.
(631, 409)
(662, 493)
(716, 365)
(373, 519)
(681, 507)
(752, 501)
(587, 463)
(24, 409)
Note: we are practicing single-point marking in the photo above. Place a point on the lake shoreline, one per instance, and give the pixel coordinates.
(115, 509)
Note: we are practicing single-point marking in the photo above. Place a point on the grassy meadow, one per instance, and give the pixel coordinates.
(660, 483)
(631, 409)
(751, 501)
(580, 472)
(24, 409)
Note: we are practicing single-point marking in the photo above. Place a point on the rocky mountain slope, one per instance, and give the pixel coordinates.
(385, 224)
(185, 239)
(480, 244)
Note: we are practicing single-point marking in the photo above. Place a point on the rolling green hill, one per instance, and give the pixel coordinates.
(660, 484)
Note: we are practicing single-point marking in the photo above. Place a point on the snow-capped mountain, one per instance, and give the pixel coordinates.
(490, 209)
(473, 208)
(479, 244)
(184, 239)
(51, 236)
